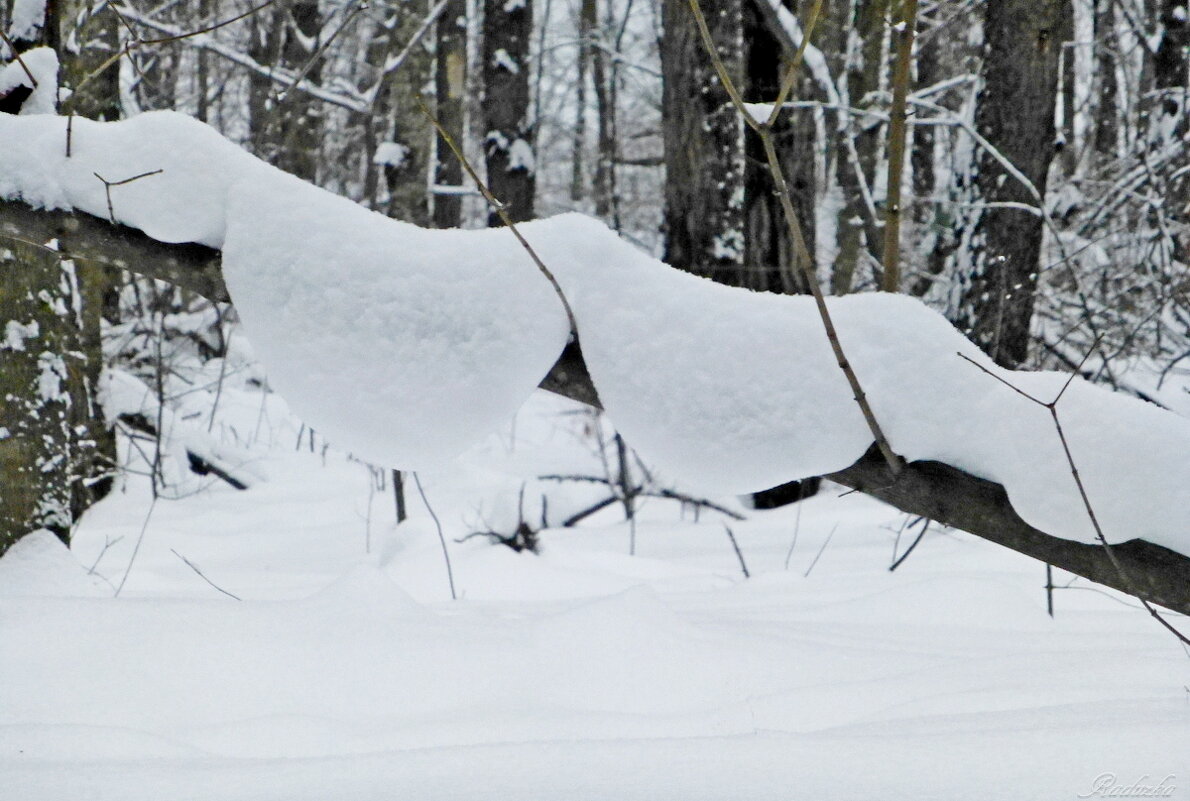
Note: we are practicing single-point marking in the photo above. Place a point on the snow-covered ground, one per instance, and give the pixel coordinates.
(346, 672)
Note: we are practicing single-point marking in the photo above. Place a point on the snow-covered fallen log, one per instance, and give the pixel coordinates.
(404, 344)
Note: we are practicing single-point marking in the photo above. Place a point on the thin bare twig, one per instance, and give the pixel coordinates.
(450, 575)
(920, 536)
(136, 548)
(13, 49)
(818, 555)
(203, 576)
(500, 209)
(735, 546)
(795, 64)
(797, 525)
(107, 187)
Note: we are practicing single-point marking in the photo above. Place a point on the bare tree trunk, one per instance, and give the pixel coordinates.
(508, 141)
(398, 138)
(865, 41)
(450, 87)
(1166, 114)
(605, 105)
(769, 255)
(1016, 116)
(704, 143)
(56, 449)
(286, 129)
(97, 37)
(37, 445)
(587, 19)
(1107, 131)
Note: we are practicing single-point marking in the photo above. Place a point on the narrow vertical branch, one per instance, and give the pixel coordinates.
(735, 546)
(450, 575)
(905, 29)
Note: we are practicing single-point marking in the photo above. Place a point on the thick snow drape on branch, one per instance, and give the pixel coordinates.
(403, 344)
(40, 66)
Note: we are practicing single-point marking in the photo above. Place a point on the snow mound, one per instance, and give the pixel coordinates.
(42, 62)
(366, 587)
(39, 565)
(398, 344)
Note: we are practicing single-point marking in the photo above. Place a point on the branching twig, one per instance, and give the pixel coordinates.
(920, 535)
(107, 188)
(1052, 407)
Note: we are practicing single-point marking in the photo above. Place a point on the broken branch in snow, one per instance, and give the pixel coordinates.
(939, 491)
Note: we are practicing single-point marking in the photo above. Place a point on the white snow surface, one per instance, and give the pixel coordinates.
(186, 202)
(39, 565)
(42, 62)
(346, 673)
(452, 336)
(403, 345)
(26, 18)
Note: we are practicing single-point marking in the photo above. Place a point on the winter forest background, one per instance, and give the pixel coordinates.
(290, 621)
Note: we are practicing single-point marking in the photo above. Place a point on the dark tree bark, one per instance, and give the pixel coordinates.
(285, 130)
(450, 87)
(859, 237)
(704, 142)
(769, 263)
(604, 79)
(56, 449)
(1167, 113)
(43, 357)
(398, 138)
(1106, 126)
(587, 20)
(934, 489)
(508, 141)
(1016, 116)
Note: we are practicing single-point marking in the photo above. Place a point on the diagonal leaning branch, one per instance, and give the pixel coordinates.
(932, 489)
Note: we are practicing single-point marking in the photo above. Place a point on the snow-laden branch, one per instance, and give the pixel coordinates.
(404, 344)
